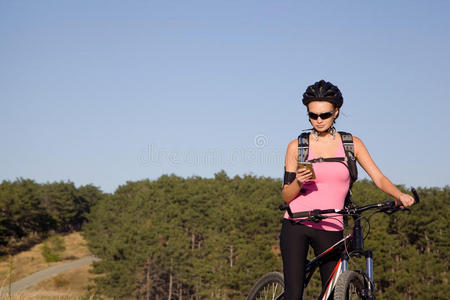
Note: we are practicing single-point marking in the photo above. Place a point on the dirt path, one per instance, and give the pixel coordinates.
(31, 280)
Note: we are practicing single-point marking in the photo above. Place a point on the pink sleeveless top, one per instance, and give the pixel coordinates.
(328, 190)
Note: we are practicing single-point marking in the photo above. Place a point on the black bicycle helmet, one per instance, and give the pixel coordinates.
(323, 91)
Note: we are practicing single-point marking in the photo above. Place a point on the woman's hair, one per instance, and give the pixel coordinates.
(323, 91)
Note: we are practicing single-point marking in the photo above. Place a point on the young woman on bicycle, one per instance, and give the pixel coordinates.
(328, 190)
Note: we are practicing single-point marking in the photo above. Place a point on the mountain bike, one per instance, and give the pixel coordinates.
(343, 283)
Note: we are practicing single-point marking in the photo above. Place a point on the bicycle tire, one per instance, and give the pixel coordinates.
(269, 286)
(349, 286)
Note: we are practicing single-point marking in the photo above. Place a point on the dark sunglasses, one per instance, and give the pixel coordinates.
(323, 116)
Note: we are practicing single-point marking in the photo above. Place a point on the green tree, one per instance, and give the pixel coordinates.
(212, 238)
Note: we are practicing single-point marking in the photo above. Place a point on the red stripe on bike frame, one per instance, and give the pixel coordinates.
(328, 250)
(331, 277)
(345, 240)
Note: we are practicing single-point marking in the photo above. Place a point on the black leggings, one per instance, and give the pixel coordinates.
(294, 243)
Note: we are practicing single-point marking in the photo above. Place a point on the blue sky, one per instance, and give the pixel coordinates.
(105, 92)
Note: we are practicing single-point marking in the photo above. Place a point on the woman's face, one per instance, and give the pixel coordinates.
(315, 109)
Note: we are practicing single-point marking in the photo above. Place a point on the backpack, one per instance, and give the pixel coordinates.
(347, 142)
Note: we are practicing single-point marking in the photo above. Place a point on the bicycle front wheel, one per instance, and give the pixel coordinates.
(270, 286)
(349, 286)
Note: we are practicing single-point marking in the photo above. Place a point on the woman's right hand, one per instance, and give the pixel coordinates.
(303, 174)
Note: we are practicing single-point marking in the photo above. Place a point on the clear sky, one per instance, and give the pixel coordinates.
(105, 92)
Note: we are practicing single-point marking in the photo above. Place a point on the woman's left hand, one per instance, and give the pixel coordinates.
(406, 200)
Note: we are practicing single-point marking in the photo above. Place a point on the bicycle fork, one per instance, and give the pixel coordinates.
(369, 263)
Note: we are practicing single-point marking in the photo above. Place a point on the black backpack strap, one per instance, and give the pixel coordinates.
(347, 142)
(303, 146)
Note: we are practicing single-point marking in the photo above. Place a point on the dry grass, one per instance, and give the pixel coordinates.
(43, 296)
(31, 261)
(68, 285)
(71, 285)
(74, 281)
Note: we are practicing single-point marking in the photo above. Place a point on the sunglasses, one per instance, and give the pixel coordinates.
(323, 116)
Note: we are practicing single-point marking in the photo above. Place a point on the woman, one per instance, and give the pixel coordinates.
(328, 190)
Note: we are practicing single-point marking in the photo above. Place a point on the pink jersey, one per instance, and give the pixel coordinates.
(328, 190)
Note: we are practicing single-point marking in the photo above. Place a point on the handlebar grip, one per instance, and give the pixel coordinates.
(392, 203)
(416, 196)
(398, 203)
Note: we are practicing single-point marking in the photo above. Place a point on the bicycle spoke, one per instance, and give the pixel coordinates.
(270, 292)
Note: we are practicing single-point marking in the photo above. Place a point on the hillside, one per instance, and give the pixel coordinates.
(213, 238)
(201, 238)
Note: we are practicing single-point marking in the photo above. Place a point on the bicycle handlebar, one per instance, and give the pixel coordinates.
(388, 207)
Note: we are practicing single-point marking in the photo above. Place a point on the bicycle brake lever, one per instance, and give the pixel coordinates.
(392, 210)
(406, 209)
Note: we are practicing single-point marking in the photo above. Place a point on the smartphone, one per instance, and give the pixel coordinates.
(307, 165)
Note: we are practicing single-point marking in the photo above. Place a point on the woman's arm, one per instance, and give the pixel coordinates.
(381, 181)
(290, 191)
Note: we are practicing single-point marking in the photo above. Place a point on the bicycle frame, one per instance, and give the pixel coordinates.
(352, 244)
